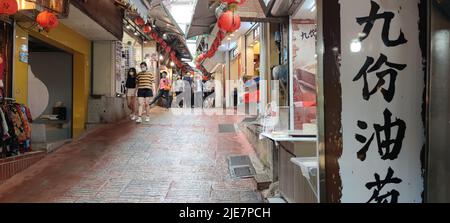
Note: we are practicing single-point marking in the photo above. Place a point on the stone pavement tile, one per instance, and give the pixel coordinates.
(234, 184)
(149, 199)
(191, 185)
(81, 192)
(114, 185)
(89, 200)
(225, 195)
(250, 197)
(122, 200)
(183, 195)
(172, 159)
(143, 188)
(65, 199)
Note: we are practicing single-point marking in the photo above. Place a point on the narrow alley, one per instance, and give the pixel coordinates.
(171, 159)
(282, 102)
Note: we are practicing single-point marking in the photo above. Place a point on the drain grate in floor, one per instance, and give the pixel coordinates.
(243, 172)
(227, 128)
(239, 160)
(250, 119)
(241, 167)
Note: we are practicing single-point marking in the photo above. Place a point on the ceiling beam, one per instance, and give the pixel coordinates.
(266, 20)
(267, 9)
(295, 7)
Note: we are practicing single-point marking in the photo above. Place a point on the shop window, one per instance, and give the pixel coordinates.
(304, 70)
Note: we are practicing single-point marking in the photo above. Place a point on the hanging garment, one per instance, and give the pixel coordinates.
(24, 120)
(5, 129)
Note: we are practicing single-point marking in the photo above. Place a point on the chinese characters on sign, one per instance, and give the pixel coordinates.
(307, 35)
(384, 146)
(382, 88)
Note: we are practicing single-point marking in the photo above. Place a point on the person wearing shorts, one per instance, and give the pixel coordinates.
(164, 89)
(145, 84)
(130, 86)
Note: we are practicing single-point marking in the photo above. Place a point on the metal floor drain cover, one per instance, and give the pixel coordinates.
(250, 119)
(243, 171)
(227, 128)
(239, 160)
(241, 166)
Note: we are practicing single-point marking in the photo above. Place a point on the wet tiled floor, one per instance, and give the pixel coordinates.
(172, 158)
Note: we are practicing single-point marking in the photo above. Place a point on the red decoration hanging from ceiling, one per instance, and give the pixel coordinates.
(47, 20)
(8, 7)
(237, 2)
(229, 22)
(147, 29)
(139, 21)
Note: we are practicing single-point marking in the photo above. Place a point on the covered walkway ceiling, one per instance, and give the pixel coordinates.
(251, 11)
(163, 22)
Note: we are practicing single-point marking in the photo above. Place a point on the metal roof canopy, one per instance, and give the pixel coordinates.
(205, 16)
(167, 25)
(203, 20)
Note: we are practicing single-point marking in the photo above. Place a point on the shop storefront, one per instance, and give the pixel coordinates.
(66, 40)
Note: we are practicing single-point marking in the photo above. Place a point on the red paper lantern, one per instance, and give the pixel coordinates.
(237, 23)
(47, 20)
(154, 35)
(220, 35)
(229, 22)
(147, 29)
(163, 44)
(8, 7)
(238, 2)
(139, 21)
(168, 49)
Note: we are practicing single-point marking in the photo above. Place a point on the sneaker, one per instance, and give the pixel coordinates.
(147, 119)
(132, 117)
(139, 120)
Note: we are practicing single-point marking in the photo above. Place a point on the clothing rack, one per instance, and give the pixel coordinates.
(7, 99)
(15, 128)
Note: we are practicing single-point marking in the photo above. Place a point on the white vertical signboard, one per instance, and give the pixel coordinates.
(382, 81)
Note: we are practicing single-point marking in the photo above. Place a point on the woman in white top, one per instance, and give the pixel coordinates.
(178, 87)
(198, 91)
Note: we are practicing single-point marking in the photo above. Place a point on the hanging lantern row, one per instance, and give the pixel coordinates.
(147, 29)
(232, 4)
(228, 22)
(8, 7)
(46, 20)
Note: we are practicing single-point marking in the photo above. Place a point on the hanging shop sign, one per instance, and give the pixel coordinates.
(382, 83)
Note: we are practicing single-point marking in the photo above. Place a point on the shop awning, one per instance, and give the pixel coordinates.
(140, 7)
(169, 29)
(205, 16)
(203, 20)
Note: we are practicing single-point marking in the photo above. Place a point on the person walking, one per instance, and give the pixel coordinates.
(130, 88)
(146, 85)
(198, 91)
(178, 87)
(164, 88)
(208, 91)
